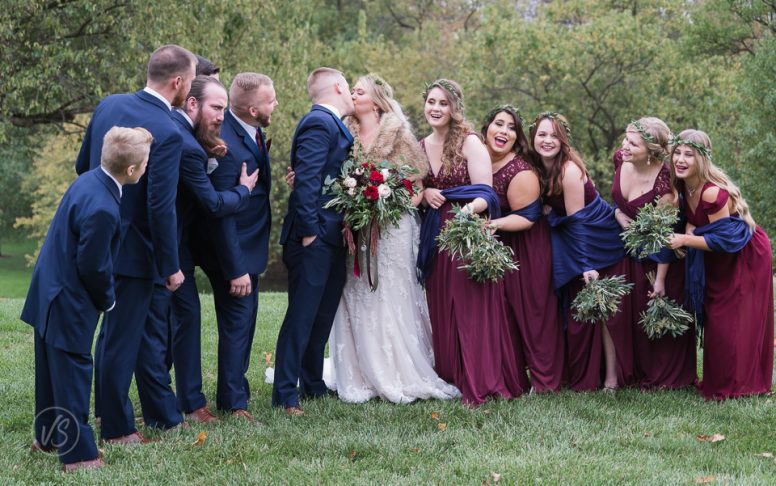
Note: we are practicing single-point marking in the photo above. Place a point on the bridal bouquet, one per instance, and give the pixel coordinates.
(651, 230)
(664, 316)
(600, 299)
(370, 196)
(466, 237)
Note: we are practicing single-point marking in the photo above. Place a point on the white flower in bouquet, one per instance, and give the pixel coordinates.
(350, 182)
(386, 173)
(359, 170)
(352, 191)
(384, 190)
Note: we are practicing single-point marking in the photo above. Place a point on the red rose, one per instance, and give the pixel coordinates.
(371, 193)
(376, 177)
(408, 186)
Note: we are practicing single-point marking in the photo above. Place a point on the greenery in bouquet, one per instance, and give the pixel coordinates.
(367, 192)
(466, 237)
(664, 316)
(651, 230)
(600, 299)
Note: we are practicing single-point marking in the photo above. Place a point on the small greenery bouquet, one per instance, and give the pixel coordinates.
(600, 299)
(664, 316)
(466, 237)
(651, 230)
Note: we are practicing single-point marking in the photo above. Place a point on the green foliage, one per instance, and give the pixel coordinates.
(664, 316)
(466, 237)
(600, 299)
(651, 229)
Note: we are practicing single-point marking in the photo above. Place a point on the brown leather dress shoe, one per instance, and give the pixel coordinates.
(294, 411)
(202, 415)
(133, 438)
(243, 414)
(38, 447)
(95, 463)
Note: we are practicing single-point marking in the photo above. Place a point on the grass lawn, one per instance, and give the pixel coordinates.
(566, 438)
(14, 272)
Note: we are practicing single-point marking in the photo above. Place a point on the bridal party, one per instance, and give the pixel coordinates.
(177, 175)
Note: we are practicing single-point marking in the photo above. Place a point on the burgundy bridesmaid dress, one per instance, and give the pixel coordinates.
(738, 309)
(667, 362)
(474, 347)
(585, 364)
(532, 305)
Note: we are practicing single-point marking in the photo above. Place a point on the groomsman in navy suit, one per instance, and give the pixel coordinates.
(149, 246)
(240, 242)
(71, 284)
(200, 123)
(313, 247)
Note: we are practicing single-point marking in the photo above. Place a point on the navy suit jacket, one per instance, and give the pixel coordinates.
(321, 144)
(196, 195)
(240, 241)
(149, 246)
(73, 278)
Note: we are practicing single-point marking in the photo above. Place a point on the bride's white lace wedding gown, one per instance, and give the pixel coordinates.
(380, 344)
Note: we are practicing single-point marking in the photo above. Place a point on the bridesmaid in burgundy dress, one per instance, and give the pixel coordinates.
(640, 177)
(531, 301)
(585, 241)
(735, 256)
(472, 345)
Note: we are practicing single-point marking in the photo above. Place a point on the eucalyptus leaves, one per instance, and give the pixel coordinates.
(651, 230)
(664, 316)
(466, 237)
(600, 299)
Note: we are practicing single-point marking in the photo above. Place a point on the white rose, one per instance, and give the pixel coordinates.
(383, 190)
(359, 170)
(352, 191)
(350, 182)
(386, 173)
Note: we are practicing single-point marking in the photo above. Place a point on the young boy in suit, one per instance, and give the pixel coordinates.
(71, 284)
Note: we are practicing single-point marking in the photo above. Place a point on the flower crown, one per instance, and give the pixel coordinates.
(553, 116)
(700, 148)
(447, 86)
(495, 111)
(642, 131)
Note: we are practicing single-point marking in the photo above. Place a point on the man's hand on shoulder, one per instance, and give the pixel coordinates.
(246, 180)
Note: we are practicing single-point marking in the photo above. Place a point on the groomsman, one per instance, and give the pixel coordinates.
(149, 249)
(71, 284)
(240, 241)
(200, 122)
(313, 247)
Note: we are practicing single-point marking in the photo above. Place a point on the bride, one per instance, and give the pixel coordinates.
(380, 344)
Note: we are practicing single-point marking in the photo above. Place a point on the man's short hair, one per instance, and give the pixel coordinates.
(320, 79)
(206, 66)
(124, 147)
(243, 85)
(168, 62)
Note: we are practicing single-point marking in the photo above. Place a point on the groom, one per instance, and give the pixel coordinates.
(313, 248)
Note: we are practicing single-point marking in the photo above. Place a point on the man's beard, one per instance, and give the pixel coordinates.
(262, 120)
(179, 100)
(209, 138)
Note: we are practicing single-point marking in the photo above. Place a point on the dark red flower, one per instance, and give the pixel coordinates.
(365, 165)
(376, 177)
(371, 193)
(408, 184)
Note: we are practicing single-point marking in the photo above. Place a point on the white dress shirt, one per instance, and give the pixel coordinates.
(156, 94)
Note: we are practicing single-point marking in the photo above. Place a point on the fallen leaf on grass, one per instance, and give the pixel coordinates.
(486, 412)
(352, 456)
(767, 455)
(710, 438)
(647, 434)
(442, 426)
(415, 449)
(496, 476)
(200, 439)
(267, 358)
(435, 416)
(705, 479)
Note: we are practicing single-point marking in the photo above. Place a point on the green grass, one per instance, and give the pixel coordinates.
(566, 438)
(14, 272)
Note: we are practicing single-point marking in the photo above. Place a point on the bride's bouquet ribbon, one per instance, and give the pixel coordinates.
(587, 240)
(726, 235)
(429, 229)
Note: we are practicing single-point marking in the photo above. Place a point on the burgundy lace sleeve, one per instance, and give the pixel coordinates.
(663, 182)
(617, 159)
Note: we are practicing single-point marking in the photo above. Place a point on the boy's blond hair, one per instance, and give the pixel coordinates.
(124, 147)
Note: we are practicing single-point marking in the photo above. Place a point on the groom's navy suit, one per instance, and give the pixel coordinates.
(149, 247)
(316, 273)
(239, 246)
(71, 284)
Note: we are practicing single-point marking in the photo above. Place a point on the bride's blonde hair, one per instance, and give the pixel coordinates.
(708, 172)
